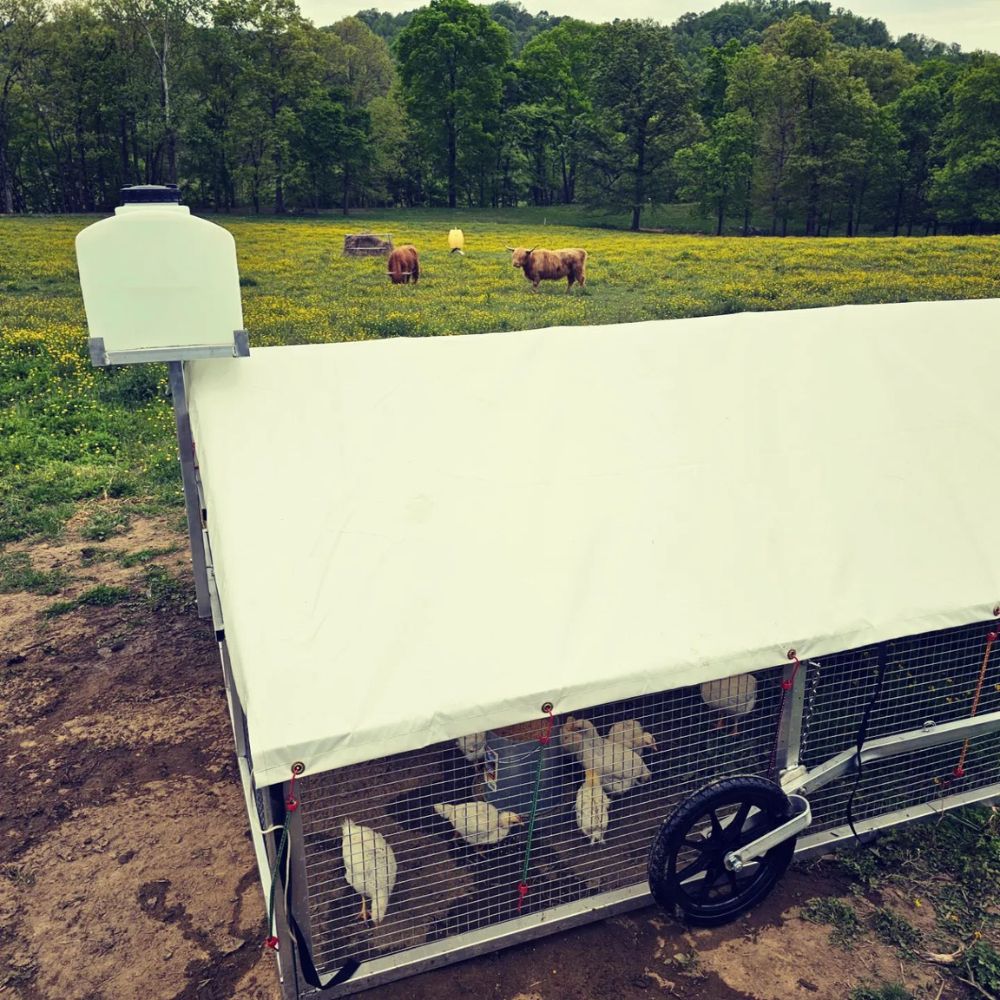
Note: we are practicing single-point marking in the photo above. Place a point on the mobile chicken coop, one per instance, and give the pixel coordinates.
(520, 629)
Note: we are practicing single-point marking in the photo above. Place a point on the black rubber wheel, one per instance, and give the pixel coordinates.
(695, 839)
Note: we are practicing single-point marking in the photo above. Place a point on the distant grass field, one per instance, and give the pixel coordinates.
(70, 434)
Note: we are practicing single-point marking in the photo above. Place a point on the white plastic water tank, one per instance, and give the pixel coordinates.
(155, 276)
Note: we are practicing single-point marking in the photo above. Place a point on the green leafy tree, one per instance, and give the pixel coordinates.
(966, 187)
(552, 86)
(642, 103)
(886, 73)
(166, 27)
(451, 62)
(363, 63)
(20, 21)
(916, 114)
(716, 173)
(751, 87)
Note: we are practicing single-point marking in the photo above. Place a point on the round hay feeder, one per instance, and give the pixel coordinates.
(367, 244)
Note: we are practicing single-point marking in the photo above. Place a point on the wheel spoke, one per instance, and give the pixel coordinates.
(736, 825)
(733, 881)
(698, 865)
(708, 884)
(716, 825)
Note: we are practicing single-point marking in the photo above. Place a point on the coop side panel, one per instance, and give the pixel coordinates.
(449, 894)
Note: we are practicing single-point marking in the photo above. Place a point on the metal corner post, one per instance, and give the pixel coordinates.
(192, 502)
(790, 733)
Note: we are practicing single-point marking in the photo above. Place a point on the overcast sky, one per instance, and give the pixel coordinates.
(974, 24)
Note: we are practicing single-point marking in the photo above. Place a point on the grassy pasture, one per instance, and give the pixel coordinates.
(70, 434)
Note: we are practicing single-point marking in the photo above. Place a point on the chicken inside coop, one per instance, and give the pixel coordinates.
(730, 697)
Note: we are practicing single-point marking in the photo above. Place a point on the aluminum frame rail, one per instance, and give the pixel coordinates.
(795, 779)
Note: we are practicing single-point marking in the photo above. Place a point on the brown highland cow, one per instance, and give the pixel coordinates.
(550, 265)
(404, 264)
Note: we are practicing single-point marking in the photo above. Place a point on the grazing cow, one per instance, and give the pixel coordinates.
(404, 264)
(550, 265)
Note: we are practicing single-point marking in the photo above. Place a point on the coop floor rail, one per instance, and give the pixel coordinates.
(931, 735)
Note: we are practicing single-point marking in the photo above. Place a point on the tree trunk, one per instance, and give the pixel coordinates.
(640, 180)
(452, 166)
(6, 181)
(123, 148)
(279, 185)
(718, 228)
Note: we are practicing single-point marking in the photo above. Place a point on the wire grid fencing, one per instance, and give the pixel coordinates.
(929, 677)
(908, 780)
(455, 815)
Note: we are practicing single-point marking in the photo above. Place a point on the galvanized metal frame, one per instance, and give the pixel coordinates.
(100, 357)
(795, 779)
(538, 925)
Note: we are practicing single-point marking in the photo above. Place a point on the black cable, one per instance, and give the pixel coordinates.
(883, 666)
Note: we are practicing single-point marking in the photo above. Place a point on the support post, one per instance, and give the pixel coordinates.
(790, 733)
(185, 443)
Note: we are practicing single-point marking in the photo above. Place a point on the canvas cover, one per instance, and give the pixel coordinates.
(415, 539)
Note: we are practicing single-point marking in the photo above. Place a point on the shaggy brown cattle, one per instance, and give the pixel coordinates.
(550, 265)
(404, 264)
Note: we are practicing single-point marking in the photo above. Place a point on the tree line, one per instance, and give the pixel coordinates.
(781, 116)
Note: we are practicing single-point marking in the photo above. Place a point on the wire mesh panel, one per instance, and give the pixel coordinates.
(424, 846)
(930, 677)
(455, 815)
(908, 780)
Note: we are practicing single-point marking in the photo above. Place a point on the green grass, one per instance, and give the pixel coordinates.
(887, 991)
(840, 915)
(892, 929)
(981, 965)
(101, 596)
(130, 559)
(103, 524)
(70, 434)
(167, 593)
(18, 574)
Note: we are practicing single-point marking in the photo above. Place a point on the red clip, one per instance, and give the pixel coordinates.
(271, 942)
(547, 736)
(786, 685)
(522, 892)
(292, 803)
(992, 637)
(959, 771)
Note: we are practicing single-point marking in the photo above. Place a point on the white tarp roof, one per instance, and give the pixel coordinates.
(418, 539)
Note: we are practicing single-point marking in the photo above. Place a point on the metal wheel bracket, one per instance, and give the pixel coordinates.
(737, 860)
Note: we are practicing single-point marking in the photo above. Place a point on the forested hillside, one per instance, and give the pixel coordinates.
(783, 117)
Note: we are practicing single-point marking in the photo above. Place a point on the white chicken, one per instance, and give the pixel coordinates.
(478, 823)
(592, 808)
(619, 766)
(732, 696)
(472, 746)
(369, 866)
(631, 734)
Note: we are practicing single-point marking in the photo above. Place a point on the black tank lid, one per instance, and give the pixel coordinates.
(150, 194)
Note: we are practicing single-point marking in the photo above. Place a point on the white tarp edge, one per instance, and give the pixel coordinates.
(418, 539)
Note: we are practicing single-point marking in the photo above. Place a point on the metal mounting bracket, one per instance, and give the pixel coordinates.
(100, 357)
(737, 860)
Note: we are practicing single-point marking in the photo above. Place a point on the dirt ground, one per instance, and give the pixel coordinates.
(126, 871)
